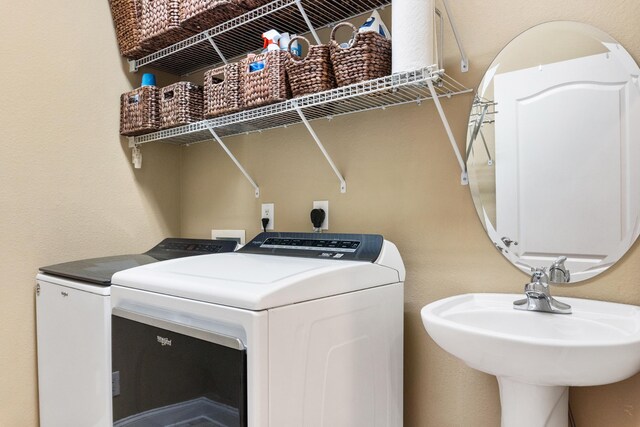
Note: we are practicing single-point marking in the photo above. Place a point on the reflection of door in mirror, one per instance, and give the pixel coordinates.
(542, 171)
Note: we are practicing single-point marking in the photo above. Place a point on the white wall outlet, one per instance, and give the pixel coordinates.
(235, 235)
(324, 205)
(268, 212)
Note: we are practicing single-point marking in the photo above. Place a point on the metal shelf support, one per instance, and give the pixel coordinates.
(307, 21)
(343, 183)
(464, 179)
(464, 61)
(216, 48)
(226, 150)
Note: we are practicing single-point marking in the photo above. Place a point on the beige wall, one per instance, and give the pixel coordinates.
(402, 181)
(67, 188)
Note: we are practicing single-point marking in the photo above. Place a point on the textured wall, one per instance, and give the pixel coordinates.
(402, 181)
(67, 187)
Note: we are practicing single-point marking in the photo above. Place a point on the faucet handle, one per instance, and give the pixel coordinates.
(558, 272)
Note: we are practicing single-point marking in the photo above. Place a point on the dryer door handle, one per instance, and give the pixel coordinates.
(181, 328)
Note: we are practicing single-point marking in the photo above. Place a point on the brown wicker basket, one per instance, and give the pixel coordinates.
(127, 19)
(222, 96)
(200, 15)
(263, 79)
(368, 57)
(139, 112)
(180, 104)
(312, 74)
(161, 23)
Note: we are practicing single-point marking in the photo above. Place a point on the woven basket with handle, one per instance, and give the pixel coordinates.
(368, 56)
(139, 111)
(222, 96)
(312, 73)
(180, 104)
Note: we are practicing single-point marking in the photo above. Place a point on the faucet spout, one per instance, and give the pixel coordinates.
(538, 296)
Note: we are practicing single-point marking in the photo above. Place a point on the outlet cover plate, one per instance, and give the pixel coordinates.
(324, 205)
(268, 211)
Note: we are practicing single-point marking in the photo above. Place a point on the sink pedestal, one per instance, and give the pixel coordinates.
(528, 405)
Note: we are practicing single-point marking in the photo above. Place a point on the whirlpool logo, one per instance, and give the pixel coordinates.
(164, 341)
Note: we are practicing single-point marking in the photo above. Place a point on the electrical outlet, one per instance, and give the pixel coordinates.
(324, 205)
(268, 212)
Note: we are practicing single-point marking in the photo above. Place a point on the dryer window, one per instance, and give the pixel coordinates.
(169, 378)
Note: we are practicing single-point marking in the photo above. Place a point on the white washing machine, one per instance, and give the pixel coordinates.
(73, 313)
(292, 330)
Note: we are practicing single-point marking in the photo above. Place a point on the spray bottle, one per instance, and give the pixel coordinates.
(270, 41)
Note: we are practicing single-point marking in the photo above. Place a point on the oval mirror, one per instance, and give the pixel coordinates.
(553, 150)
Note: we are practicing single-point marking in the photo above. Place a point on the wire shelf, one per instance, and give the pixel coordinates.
(396, 89)
(239, 36)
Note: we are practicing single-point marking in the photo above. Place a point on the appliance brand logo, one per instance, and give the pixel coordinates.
(64, 294)
(164, 341)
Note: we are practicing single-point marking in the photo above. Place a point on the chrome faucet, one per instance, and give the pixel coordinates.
(537, 290)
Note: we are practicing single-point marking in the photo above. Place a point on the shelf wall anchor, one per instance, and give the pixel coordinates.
(464, 179)
(343, 183)
(226, 150)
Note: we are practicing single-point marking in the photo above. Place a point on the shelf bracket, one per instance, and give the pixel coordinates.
(216, 48)
(464, 179)
(226, 150)
(133, 65)
(464, 61)
(343, 183)
(308, 22)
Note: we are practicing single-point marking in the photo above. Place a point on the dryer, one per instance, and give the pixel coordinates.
(293, 329)
(73, 314)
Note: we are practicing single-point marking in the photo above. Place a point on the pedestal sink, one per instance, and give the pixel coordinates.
(536, 356)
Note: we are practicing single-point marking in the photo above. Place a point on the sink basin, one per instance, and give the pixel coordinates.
(537, 355)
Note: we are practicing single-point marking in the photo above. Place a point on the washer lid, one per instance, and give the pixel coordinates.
(100, 270)
(255, 281)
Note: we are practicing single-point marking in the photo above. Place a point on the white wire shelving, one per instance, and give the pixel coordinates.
(235, 38)
(412, 87)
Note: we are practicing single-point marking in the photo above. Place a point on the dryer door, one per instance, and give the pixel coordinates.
(166, 373)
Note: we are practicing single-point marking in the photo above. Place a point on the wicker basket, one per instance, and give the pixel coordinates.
(263, 79)
(139, 111)
(368, 57)
(312, 74)
(200, 15)
(161, 23)
(180, 104)
(222, 96)
(127, 19)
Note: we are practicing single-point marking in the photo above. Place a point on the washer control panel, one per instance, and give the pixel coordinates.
(354, 247)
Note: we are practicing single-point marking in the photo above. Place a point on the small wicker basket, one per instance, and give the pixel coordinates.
(263, 79)
(161, 23)
(312, 74)
(368, 57)
(139, 111)
(180, 104)
(126, 19)
(222, 96)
